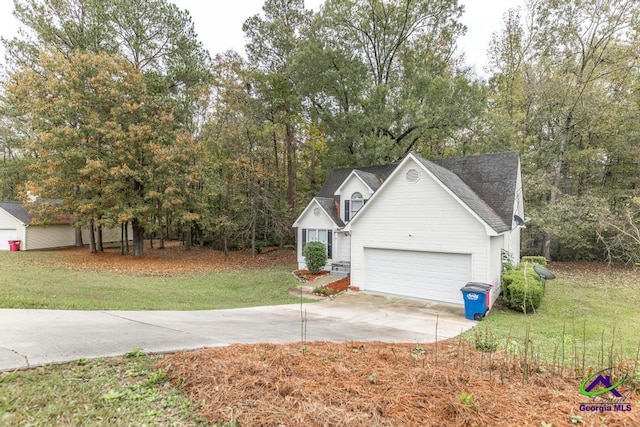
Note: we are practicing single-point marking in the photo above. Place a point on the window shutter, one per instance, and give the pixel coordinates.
(304, 237)
(347, 212)
(329, 243)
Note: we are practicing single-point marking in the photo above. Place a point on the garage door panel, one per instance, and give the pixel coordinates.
(5, 236)
(429, 275)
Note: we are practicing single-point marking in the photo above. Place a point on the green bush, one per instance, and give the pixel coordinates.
(540, 260)
(525, 296)
(315, 256)
(522, 289)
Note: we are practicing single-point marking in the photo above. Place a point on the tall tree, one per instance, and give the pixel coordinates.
(156, 38)
(273, 40)
(383, 78)
(249, 210)
(103, 140)
(559, 89)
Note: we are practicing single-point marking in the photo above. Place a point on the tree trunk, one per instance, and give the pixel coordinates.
(253, 238)
(557, 179)
(122, 237)
(99, 246)
(79, 242)
(138, 238)
(291, 163)
(126, 236)
(92, 237)
(187, 239)
(161, 237)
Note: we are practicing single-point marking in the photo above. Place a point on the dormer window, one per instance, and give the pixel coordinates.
(353, 205)
(356, 203)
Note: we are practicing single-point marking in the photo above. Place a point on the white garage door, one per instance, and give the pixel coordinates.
(429, 275)
(5, 236)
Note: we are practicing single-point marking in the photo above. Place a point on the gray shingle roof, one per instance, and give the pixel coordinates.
(461, 189)
(372, 175)
(485, 183)
(370, 179)
(493, 177)
(329, 205)
(18, 210)
(337, 177)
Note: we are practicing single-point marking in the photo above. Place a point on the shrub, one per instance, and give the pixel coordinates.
(525, 295)
(540, 260)
(315, 256)
(522, 289)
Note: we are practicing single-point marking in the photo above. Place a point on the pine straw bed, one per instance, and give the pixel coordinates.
(379, 384)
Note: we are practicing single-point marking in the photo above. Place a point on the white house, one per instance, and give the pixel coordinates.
(420, 228)
(16, 223)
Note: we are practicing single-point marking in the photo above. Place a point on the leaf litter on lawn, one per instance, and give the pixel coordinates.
(170, 261)
(380, 384)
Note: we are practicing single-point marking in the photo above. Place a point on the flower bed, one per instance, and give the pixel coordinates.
(306, 276)
(334, 288)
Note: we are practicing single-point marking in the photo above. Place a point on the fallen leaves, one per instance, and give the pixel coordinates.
(171, 261)
(378, 384)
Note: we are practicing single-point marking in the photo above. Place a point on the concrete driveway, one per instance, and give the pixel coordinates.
(35, 337)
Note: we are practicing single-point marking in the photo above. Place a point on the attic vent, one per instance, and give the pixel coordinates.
(412, 176)
(316, 211)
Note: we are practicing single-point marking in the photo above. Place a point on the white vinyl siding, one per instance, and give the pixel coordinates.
(352, 185)
(309, 221)
(420, 216)
(50, 236)
(10, 229)
(428, 275)
(5, 236)
(495, 264)
(59, 236)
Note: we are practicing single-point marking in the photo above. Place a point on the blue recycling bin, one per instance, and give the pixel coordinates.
(475, 301)
(485, 287)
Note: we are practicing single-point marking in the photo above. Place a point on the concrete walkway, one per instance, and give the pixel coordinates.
(34, 337)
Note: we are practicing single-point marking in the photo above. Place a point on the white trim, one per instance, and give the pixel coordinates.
(295, 224)
(353, 172)
(490, 231)
(14, 217)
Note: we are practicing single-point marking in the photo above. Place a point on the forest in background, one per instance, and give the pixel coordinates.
(116, 109)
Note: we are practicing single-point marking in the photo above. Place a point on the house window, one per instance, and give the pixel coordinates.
(357, 201)
(323, 236)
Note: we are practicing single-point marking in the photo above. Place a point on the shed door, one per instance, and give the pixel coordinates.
(5, 236)
(429, 275)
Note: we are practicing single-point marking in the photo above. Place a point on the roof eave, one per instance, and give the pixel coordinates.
(353, 172)
(314, 200)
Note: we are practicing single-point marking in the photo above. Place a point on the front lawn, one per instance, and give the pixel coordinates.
(588, 317)
(169, 279)
(123, 391)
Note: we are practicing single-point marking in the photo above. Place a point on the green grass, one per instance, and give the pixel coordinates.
(589, 316)
(27, 283)
(101, 392)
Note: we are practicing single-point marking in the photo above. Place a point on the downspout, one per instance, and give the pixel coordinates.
(25, 236)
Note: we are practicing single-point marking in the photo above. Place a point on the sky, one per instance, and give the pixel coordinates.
(219, 23)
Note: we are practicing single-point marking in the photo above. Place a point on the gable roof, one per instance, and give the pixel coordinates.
(369, 173)
(485, 184)
(493, 177)
(462, 190)
(17, 210)
(21, 213)
(328, 205)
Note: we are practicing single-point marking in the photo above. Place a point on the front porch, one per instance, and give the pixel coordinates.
(341, 267)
